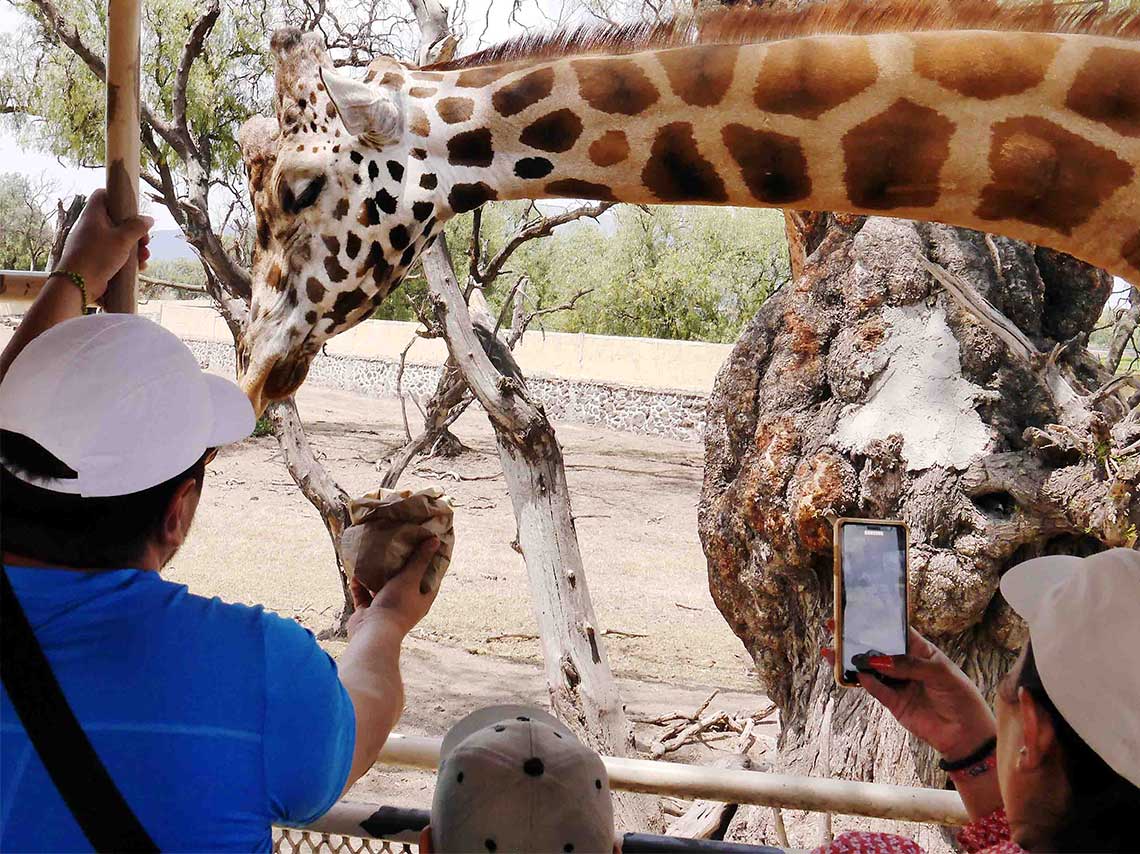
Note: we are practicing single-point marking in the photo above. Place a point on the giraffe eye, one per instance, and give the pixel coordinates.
(291, 203)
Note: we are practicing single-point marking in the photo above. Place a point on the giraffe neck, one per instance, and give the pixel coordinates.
(1036, 136)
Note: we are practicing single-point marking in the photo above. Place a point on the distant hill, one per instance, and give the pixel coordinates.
(169, 245)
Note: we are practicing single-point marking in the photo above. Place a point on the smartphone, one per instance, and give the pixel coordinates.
(871, 615)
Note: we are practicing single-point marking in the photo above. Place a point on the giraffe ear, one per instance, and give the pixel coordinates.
(368, 112)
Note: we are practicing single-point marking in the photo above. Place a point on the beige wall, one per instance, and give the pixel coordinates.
(642, 362)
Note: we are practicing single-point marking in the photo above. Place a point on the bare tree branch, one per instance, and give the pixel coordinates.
(541, 227)
(190, 52)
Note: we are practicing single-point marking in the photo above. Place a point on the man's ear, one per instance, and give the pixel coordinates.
(1037, 731)
(180, 513)
(425, 840)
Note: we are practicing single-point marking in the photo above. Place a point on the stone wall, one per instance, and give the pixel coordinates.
(656, 412)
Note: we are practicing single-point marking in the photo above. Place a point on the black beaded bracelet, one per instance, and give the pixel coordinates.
(988, 747)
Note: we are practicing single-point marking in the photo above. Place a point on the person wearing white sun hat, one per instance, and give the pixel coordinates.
(137, 716)
(1059, 767)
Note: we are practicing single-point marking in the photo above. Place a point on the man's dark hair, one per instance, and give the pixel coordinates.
(59, 528)
(1101, 816)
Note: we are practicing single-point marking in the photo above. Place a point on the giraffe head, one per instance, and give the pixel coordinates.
(343, 207)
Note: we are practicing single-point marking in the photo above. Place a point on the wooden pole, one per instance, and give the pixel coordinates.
(123, 140)
(816, 794)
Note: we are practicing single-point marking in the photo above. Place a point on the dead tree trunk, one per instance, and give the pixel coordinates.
(868, 389)
(1125, 329)
(582, 687)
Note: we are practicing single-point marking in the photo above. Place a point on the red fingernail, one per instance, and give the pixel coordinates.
(881, 662)
(823, 651)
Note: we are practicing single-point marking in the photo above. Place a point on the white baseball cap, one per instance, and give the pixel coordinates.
(514, 778)
(1084, 617)
(119, 400)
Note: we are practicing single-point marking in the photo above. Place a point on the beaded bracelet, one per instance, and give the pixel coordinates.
(986, 749)
(75, 279)
(977, 769)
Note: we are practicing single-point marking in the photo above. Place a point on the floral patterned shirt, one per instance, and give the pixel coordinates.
(989, 835)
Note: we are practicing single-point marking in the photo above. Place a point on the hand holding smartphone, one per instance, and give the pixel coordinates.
(871, 602)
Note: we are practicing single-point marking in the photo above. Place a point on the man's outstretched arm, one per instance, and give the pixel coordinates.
(370, 667)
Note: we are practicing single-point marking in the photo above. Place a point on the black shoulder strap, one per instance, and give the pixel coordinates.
(72, 763)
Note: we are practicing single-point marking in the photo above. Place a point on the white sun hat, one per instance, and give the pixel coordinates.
(1084, 617)
(514, 778)
(119, 400)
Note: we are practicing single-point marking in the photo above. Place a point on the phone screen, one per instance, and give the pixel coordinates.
(874, 592)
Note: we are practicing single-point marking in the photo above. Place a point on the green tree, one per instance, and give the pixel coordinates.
(25, 214)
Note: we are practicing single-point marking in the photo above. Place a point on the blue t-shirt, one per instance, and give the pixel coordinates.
(214, 720)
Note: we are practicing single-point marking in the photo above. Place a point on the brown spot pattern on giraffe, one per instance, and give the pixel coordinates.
(335, 271)
(808, 77)
(455, 110)
(341, 209)
(773, 165)
(529, 168)
(557, 131)
(345, 303)
(391, 78)
(428, 181)
(700, 76)
(470, 148)
(573, 188)
(273, 277)
(374, 257)
(422, 91)
(1047, 176)
(677, 172)
(985, 65)
(352, 245)
(1131, 252)
(467, 197)
(895, 159)
(369, 214)
(314, 290)
(524, 92)
(418, 122)
(1107, 89)
(615, 85)
(609, 148)
(473, 78)
(332, 244)
(330, 110)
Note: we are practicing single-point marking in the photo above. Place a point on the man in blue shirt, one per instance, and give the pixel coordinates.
(214, 721)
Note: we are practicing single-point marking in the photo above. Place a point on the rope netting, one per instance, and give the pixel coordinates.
(286, 841)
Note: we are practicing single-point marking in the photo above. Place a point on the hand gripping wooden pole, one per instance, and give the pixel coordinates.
(123, 139)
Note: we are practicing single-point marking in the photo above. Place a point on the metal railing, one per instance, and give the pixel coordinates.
(354, 828)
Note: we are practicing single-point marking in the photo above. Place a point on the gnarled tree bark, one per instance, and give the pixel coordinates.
(868, 389)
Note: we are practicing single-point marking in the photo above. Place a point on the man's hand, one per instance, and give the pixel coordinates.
(399, 603)
(96, 248)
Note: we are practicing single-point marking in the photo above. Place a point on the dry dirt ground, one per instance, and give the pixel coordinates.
(257, 540)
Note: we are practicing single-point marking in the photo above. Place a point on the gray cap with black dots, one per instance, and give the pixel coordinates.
(515, 779)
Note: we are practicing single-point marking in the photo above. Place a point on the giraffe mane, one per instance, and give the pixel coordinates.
(751, 25)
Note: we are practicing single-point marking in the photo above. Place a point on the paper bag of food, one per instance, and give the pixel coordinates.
(388, 525)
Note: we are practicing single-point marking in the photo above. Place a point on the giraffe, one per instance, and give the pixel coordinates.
(1022, 121)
